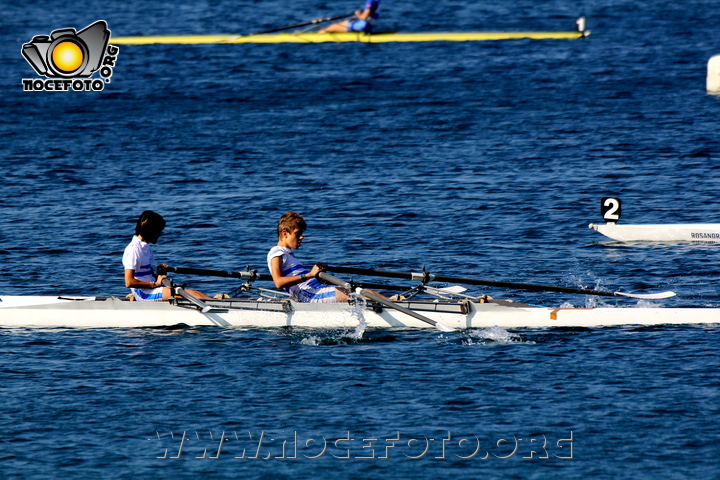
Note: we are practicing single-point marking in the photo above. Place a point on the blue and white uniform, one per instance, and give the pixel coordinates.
(310, 290)
(357, 25)
(139, 257)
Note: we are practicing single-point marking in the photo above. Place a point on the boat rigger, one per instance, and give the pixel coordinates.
(346, 37)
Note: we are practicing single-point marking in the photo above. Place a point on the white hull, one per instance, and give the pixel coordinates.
(705, 233)
(87, 312)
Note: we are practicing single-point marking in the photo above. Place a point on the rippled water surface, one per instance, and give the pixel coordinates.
(483, 159)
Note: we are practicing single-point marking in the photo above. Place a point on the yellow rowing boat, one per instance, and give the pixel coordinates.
(346, 37)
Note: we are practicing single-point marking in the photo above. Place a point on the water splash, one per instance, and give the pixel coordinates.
(494, 335)
(357, 306)
(646, 304)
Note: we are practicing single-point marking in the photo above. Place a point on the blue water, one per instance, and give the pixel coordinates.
(483, 159)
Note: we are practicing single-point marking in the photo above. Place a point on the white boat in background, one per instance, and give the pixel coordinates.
(610, 208)
(701, 232)
(112, 312)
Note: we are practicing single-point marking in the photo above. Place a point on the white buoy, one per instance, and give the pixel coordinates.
(713, 74)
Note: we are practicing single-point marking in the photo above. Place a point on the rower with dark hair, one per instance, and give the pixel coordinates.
(138, 261)
(363, 20)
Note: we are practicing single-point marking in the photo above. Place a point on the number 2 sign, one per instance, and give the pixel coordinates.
(611, 209)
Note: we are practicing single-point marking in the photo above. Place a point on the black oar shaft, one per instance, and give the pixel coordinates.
(371, 272)
(427, 277)
(252, 276)
(521, 286)
(305, 24)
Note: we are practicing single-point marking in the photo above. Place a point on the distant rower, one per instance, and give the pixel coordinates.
(363, 21)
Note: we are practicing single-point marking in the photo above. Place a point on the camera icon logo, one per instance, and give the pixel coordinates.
(66, 53)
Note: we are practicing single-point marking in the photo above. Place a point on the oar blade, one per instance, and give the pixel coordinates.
(647, 296)
(444, 328)
(452, 289)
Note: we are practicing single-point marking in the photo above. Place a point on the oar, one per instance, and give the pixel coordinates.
(253, 276)
(250, 275)
(428, 277)
(367, 294)
(298, 25)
